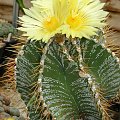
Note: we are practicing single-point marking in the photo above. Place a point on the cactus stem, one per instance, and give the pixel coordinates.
(114, 55)
(15, 60)
(44, 56)
(65, 51)
(82, 72)
(39, 80)
(21, 53)
(38, 94)
(103, 45)
(100, 100)
(117, 59)
(95, 40)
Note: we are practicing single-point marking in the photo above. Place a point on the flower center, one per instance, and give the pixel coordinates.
(74, 21)
(51, 24)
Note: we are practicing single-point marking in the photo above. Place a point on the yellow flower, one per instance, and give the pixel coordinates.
(9, 118)
(42, 5)
(75, 18)
(44, 19)
(84, 18)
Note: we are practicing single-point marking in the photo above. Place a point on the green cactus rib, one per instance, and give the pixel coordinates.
(95, 87)
(102, 93)
(67, 95)
(99, 99)
(103, 66)
(27, 64)
(62, 88)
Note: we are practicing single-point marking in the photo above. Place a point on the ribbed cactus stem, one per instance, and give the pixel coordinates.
(45, 49)
(100, 100)
(82, 72)
(65, 51)
(42, 65)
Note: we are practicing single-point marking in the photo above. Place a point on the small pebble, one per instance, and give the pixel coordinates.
(1, 109)
(21, 118)
(4, 115)
(1, 103)
(1, 98)
(14, 111)
(6, 100)
(6, 108)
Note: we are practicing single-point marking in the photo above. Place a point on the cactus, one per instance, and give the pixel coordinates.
(6, 28)
(57, 88)
(65, 72)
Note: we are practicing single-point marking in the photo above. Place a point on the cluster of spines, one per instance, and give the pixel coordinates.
(46, 112)
(102, 103)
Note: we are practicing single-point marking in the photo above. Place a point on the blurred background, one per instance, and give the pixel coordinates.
(6, 9)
